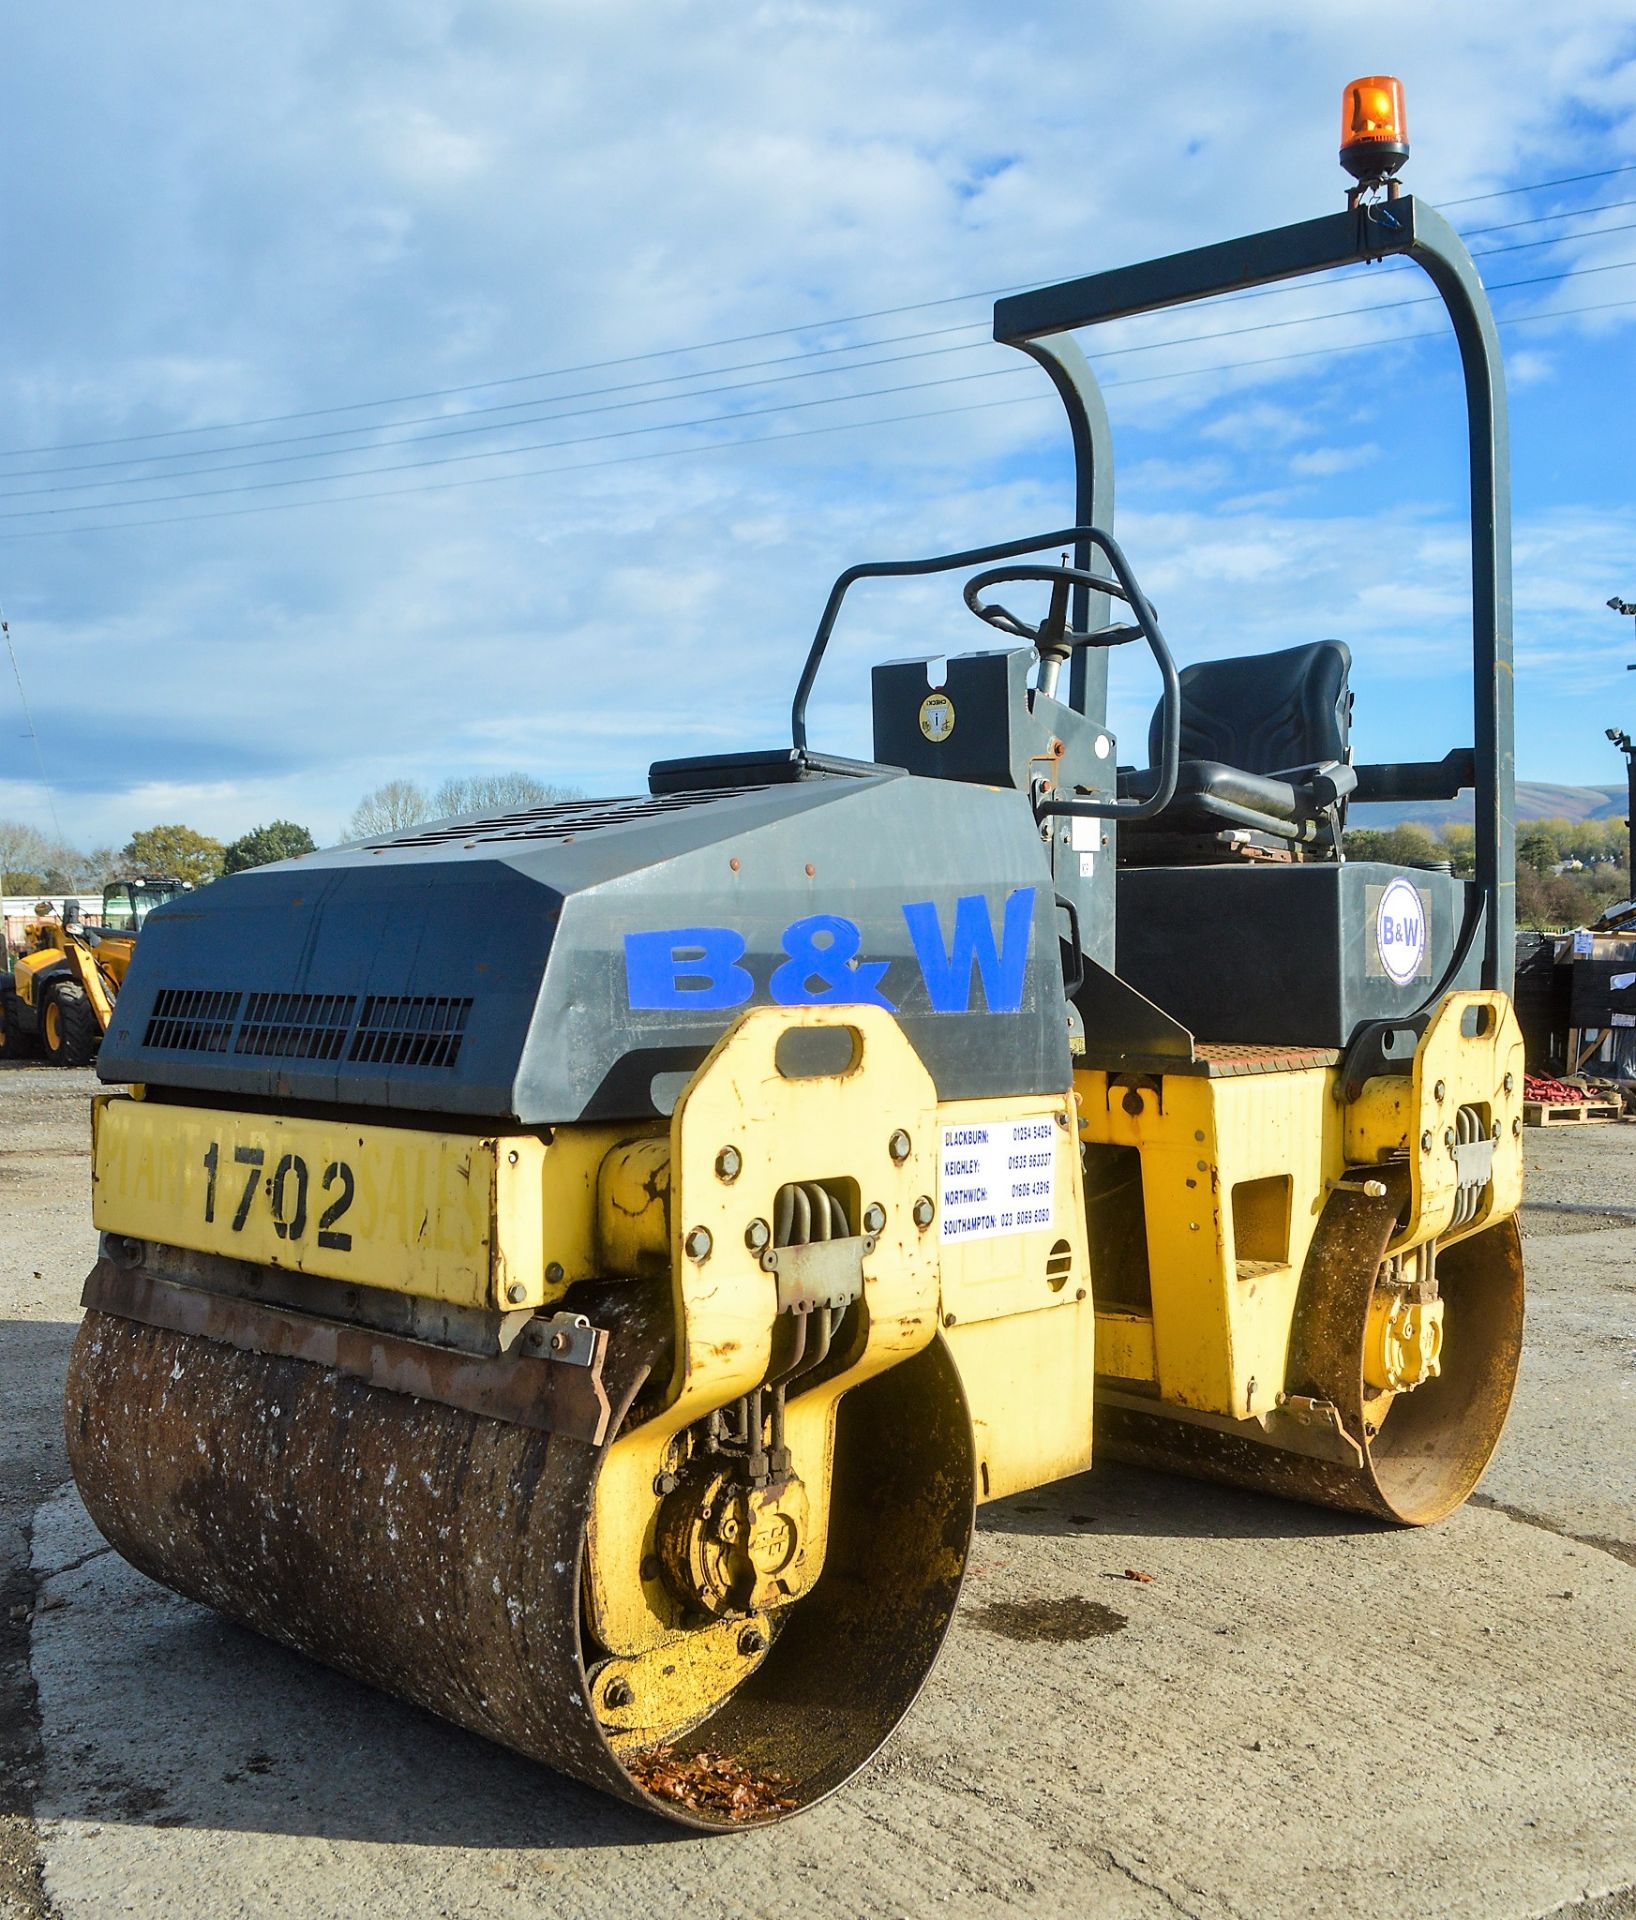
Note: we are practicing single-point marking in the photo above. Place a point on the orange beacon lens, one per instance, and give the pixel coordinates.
(1374, 128)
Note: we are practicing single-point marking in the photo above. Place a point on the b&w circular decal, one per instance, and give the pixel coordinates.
(1400, 930)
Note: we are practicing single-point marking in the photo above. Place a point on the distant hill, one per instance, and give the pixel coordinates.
(1536, 800)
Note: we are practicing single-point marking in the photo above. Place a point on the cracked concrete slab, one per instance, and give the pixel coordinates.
(1295, 1707)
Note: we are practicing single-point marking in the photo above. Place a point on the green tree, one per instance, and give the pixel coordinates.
(1459, 842)
(177, 850)
(1413, 844)
(1538, 846)
(278, 840)
(1366, 843)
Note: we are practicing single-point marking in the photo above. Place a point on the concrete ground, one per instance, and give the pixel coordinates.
(1298, 1714)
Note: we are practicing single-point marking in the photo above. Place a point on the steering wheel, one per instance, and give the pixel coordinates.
(1055, 640)
(1052, 635)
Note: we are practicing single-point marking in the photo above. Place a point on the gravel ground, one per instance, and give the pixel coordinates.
(1297, 1715)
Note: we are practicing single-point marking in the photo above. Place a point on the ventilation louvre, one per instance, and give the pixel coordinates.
(393, 1030)
(296, 1026)
(191, 1020)
(566, 820)
(421, 1030)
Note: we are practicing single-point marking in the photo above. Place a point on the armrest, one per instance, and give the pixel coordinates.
(1325, 782)
(1418, 779)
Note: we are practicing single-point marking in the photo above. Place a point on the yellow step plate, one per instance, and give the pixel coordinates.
(452, 1217)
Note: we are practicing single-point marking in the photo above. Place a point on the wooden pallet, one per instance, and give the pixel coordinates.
(1564, 1113)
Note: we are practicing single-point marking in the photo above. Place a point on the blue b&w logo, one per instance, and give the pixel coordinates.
(1400, 930)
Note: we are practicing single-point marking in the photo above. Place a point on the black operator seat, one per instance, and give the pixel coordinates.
(1264, 745)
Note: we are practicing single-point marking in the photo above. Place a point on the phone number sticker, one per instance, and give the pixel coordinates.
(998, 1179)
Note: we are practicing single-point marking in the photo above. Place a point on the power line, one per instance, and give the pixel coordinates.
(1539, 219)
(1541, 186)
(519, 379)
(1555, 240)
(28, 721)
(538, 446)
(799, 433)
(457, 431)
(509, 406)
(597, 366)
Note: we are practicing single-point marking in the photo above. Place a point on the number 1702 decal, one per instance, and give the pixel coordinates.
(287, 1191)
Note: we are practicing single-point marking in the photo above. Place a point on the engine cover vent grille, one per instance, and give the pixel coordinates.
(392, 1030)
(191, 1020)
(564, 821)
(296, 1026)
(421, 1030)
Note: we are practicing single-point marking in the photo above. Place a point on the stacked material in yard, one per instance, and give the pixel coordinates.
(1553, 1103)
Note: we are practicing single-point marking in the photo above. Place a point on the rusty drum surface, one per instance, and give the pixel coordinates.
(436, 1553)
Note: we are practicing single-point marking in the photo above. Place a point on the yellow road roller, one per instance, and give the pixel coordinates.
(598, 1316)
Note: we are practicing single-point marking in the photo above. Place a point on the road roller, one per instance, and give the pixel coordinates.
(582, 1269)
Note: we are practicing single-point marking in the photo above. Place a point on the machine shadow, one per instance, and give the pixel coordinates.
(277, 1744)
(1121, 1501)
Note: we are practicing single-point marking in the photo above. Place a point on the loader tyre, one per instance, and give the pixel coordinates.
(68, 1029)
(438, 1554)
(15, 1044)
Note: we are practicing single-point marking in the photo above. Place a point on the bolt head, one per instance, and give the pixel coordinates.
(516, 1293)
(874, 1217)
(948, 1319)
(1426, 1141)
(617, 1694)
(1516, 1126)
(756, 1235)
(729, 1165)
(898, 1146)
(1440, 1091)
(555, 1273)
(1448, 1138)
(559, 1342)
(923, 1211)
(751, 1642)
(511, 1158)
(698, 1243)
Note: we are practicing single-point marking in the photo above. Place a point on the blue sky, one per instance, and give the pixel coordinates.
(222, 225)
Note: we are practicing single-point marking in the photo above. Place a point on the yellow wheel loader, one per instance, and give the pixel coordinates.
(59, 997)
(599, 1318)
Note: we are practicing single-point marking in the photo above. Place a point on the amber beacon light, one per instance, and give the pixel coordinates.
(1374, 132)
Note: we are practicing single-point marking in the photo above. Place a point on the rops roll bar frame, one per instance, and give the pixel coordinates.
(1039, 323)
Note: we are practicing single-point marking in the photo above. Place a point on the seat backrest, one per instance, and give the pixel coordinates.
(1263, 712)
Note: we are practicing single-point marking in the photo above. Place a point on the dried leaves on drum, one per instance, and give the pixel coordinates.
(709, 1783)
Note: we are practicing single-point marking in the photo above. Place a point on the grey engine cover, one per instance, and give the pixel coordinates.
(552, 965)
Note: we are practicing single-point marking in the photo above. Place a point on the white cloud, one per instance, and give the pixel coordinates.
(336, 204)
(1319, 463)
